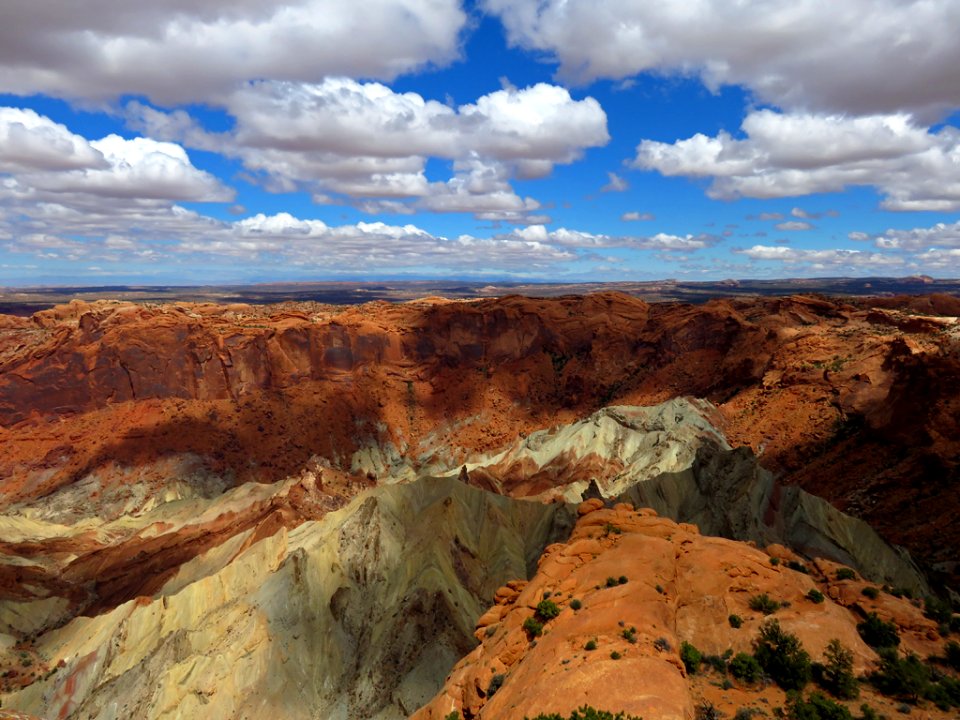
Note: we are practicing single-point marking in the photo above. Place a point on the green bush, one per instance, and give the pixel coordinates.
(878, 633)
(586, 713)
(611, 582)
(815, 596)
(453, 716)
(622, 580)
(774, 561)
(816, 707)
(745, 668)
(691, 657)
(547, 610)
(937, 610)
(662, 644)
(904, 678)
(591, 645)
(630, 635)
(846, 574)
(614, 655)
(952, 653)
(706, 710)
(781, 656)
(836, 674)
(533, 627)
(735, 621)
(576, 604)
(763, 603)
(870, 592)
(799, 567)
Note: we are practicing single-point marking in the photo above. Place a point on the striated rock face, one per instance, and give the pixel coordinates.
(638, 585)
(357, 615)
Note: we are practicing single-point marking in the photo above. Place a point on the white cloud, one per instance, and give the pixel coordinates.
(615, 183)
(859, 56)
(32, 142)
(794, 226)
(786, 155)
(578, 239)
(365, 141)
(93, 173)
(175, 51)
(635, 216)
(941, 235)
(828, 259)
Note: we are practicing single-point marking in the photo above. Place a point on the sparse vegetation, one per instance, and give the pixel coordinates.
(611, 582)
(870, 592)
(902, 678)
(878, 633)
(781, 656)
(745, 668)
(547, 610)
(576, 604)
(815, 707)
(591, 644)
(586, 713)
(533, 627)
(763, 603)
(630, 635)
(798, 566)
(622, 580)
(706, 710)
(691, 657)
(662, 644)
(846, 574)
(815, 596)
(735, 621)
(614, 655)
(836, 674)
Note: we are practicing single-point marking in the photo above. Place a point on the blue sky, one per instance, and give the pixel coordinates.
(554, 140)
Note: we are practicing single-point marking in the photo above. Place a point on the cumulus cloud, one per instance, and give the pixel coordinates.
(44, 164)
(175, 51)
(365, 141)
(941, 235)
(860, 56)
(786, 155)
(578, 239)
(828, 259)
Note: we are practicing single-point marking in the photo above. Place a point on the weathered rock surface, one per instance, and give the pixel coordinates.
(357, 615)
(662, 583)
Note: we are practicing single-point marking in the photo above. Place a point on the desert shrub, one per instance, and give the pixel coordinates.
(774, 561)
(453, 716)
(547, 610)
(716, 662)
(836, 674)
(614, 655)
(591, 645)
(815, 596)
(622, 580)
(815, 707)
(798, 566)
(747, 713)
(868, 713)
(846, 574)
(878, 633)
(707, 711)
(630, 635)
(586, 713)
(905, 678)
(576, 604)
(611, 582)
(533, 627)
(735, 621)
(763, 603)
(691, 657)
(781, 656)
(937, 609)
(659, 589)
(745, 668)
(870, 592)
(495, 684)
(952, 654)
(662, 644)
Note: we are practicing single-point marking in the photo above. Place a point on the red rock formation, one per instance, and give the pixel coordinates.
(635, 587)
(856, 403)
